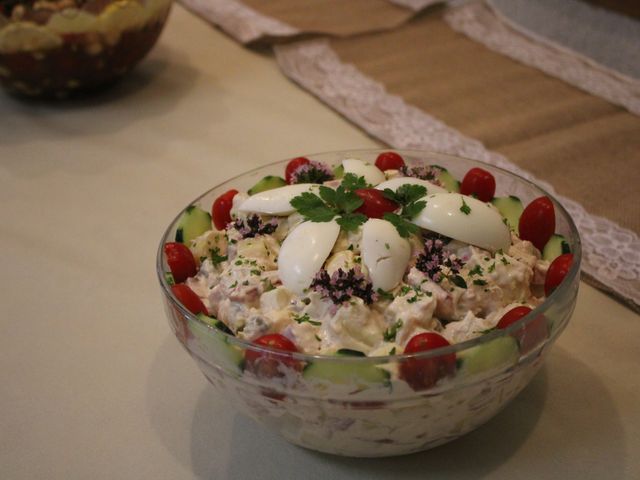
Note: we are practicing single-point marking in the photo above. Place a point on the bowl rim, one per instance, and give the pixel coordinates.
(437, 352)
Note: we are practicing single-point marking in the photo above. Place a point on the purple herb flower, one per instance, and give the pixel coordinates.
(253, 225)
(312, 172)
(423, 172)
(342, 285)
(434, 257)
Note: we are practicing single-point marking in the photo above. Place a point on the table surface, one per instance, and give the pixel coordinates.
(93, 383)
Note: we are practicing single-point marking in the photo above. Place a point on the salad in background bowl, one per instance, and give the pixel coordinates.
(370, 303)
(53, 48)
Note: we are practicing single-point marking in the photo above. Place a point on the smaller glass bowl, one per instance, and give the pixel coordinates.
(351, 410)
(53, 48)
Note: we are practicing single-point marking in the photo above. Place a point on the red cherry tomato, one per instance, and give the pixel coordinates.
(421, 374)
(375, 204)
(292, 166)
(480, 183)
(269, 365)
(557, 271)
(180, 261)
(189, 299)
(389, 161)
(530, 336)
(221, 210)
(538, 222)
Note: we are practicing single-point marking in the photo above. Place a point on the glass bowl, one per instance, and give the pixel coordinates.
(53, 48)
(347, 407)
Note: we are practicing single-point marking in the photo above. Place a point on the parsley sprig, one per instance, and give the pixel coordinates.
(329, 203)
(409, 198)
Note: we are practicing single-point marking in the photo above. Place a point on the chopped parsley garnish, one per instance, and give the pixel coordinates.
(404, 227)
(384, 295)
(479, 281)
(305, 318)
(235, 284)
(504, 260)
(392, 351)
(216, 258)
(477, 270)
(458, 281)
(465, 208)
(390, 333)
(409, 198)
(318, 338)
(329, 204)
(492, 267)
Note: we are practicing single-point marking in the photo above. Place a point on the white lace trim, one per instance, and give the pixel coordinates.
(479, 22)
(240, 21)
(611, 254)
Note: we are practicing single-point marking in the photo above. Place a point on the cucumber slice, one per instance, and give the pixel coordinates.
(510, 208)
(216, 348)
(347, 352)
(214, 322)
(498, 353)
(338, 171)
(267, 183)
(345, 373)
(556, 246)
(447, 180)
(168, 277)
(193, 223)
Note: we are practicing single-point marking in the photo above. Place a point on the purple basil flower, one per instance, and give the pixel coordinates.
(342, 285)
(312, 172)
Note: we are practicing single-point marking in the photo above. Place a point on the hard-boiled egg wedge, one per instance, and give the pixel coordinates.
(372, 174)
(394, 183)
(385, 253)
(276, 201)
(466, 219)
(304, 251)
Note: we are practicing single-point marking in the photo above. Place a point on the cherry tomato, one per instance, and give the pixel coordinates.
(538, 222)
(389, 161)
(180, 261)
(480, 183)
(530, 336)
(421, 374)
(292, 166)
(221, 210)
(375, 204)
(557, 271)
(189, 299)
(269, 365)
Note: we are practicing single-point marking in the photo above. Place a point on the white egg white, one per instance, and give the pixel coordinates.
(482, 226)
(385, 253)
(396, 182)
(303, 253)
(276, 201)
(372, 174)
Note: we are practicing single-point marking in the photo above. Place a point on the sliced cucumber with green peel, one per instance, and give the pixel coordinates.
(215, 346)
(510, 208)
(499, 352)
(168, 277)
(345, 373)
(267, 183)
(447, 180)
(556, 246)
(214, 322)
(338, 171)
(192, 223)
(347, 352)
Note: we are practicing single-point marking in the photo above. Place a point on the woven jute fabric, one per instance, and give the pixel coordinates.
(586, 147)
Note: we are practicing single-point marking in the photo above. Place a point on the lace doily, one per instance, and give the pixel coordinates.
(240, 21)
(611, 254)
(484, 25)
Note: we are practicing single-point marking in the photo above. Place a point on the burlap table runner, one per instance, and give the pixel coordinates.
(445, 90)
(274, 20)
